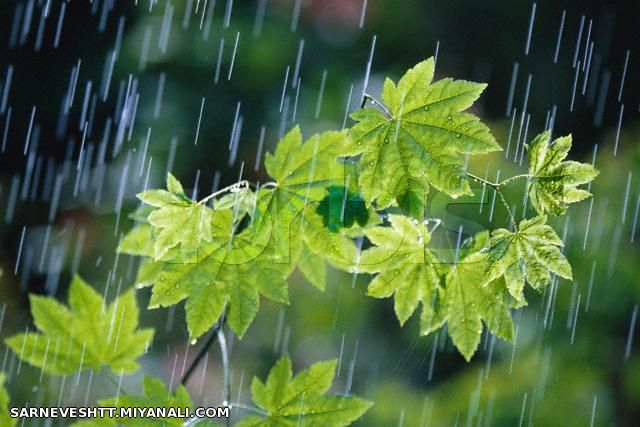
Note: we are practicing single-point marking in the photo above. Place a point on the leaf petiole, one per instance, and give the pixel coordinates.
(235, 186)
(377, 103)
(497, 185)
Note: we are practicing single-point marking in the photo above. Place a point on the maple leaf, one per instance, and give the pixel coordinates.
(553, 183)
(87, 335)
(468, 302)
(405, 269)
(421, 143)
(229, 271)
(303, 172)
(177, 220)
(290, 401)
(529, 254)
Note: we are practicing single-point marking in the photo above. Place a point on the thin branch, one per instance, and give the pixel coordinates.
(377, 103)
(269, 184)
(497, 185)
(225, 367)
(483, 181)
(514, 178)
(203, 351)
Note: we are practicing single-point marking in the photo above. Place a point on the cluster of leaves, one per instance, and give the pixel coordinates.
(329, 195)
(282, 401)
(92, 334)
(368, 182)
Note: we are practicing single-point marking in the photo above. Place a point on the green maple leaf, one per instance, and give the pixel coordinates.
(87, 335)
(303, 172)
(405, 269)
(529, 254)
(230, 271)
(177, 219)
(155, 395)
(468, 302)
(423, 143)
(289, 401)
(553, 184)
(5, 418)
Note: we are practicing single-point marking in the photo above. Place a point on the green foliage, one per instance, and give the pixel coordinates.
(468, 302)
(177, 220)
(554, 182)
(5, 419)
(406, 268)
(289, 401)
(302, 172)
(529, 254)
(321, 207)
(421, 141)
(87, 335)
(230, 270)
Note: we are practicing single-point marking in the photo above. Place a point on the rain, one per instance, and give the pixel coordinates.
(101, 99)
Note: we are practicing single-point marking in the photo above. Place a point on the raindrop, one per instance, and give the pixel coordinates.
(624, 74)
(578, 42)
(233, 55)
(259, 21)
(195, 140)
(632, 327)
(529, 33)
(5, 133)
(559, 40)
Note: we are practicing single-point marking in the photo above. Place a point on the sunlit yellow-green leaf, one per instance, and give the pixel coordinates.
(88, 334)
(301, 400)
(422, 143)
(529, 254)
(554, 182)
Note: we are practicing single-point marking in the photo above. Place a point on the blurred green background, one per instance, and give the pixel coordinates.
(575, 361)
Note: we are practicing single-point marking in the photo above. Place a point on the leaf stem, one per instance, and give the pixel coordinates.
(497, 185)
(377, 103)
(483, 181)
(235, 186)
(203, 351)
(513, 178)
